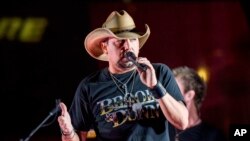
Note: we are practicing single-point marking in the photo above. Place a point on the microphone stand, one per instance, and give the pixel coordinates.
(55, 110)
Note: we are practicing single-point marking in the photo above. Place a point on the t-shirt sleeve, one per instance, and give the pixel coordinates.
(80, 110)
(166, 77)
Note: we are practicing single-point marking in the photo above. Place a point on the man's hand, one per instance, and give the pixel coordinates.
(148, 77)
(64, 121)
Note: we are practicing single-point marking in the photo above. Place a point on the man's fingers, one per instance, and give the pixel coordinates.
(63, 108)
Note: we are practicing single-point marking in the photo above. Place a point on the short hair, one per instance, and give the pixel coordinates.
(192, 81)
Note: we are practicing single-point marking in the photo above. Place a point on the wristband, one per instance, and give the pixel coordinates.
(158, 91)
(69, 135)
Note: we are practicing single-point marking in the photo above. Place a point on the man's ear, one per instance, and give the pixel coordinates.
(104, 47)
(189, 96)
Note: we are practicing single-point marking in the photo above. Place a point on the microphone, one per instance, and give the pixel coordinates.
(131, 57)
(57, 108)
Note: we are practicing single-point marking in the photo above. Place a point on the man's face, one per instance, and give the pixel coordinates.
(179, 83)
(187, 95)
(182, 89)
(116, 49)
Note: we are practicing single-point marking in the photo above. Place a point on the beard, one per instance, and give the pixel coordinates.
(124, 63)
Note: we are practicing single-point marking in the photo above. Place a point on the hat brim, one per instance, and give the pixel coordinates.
(93, 40)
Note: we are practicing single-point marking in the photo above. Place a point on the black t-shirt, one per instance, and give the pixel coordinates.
(200, 132)
(116, 113)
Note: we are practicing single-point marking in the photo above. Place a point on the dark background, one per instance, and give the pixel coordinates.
(213, 34)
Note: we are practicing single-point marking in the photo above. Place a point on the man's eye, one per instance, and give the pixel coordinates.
(132, 39)
(119, 42)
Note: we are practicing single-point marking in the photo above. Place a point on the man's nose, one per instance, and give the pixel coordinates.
(127, 44)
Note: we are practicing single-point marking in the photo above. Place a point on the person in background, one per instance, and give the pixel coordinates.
(194, 89)
(131, 99)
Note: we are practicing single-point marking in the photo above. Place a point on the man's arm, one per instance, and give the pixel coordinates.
(175, 111)
(67, 130)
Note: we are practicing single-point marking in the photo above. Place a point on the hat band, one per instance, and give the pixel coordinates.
(118, 32)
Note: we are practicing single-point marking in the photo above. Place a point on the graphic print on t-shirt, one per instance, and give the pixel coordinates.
(130, 107)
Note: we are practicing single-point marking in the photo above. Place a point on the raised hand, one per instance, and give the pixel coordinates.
(64, 120)
(148, 77)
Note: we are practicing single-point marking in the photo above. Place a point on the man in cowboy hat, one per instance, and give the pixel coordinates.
(123, 101)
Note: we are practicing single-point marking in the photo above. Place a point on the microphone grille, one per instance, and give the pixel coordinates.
(130, 55)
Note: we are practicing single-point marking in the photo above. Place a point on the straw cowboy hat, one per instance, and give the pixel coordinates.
(118, 25)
